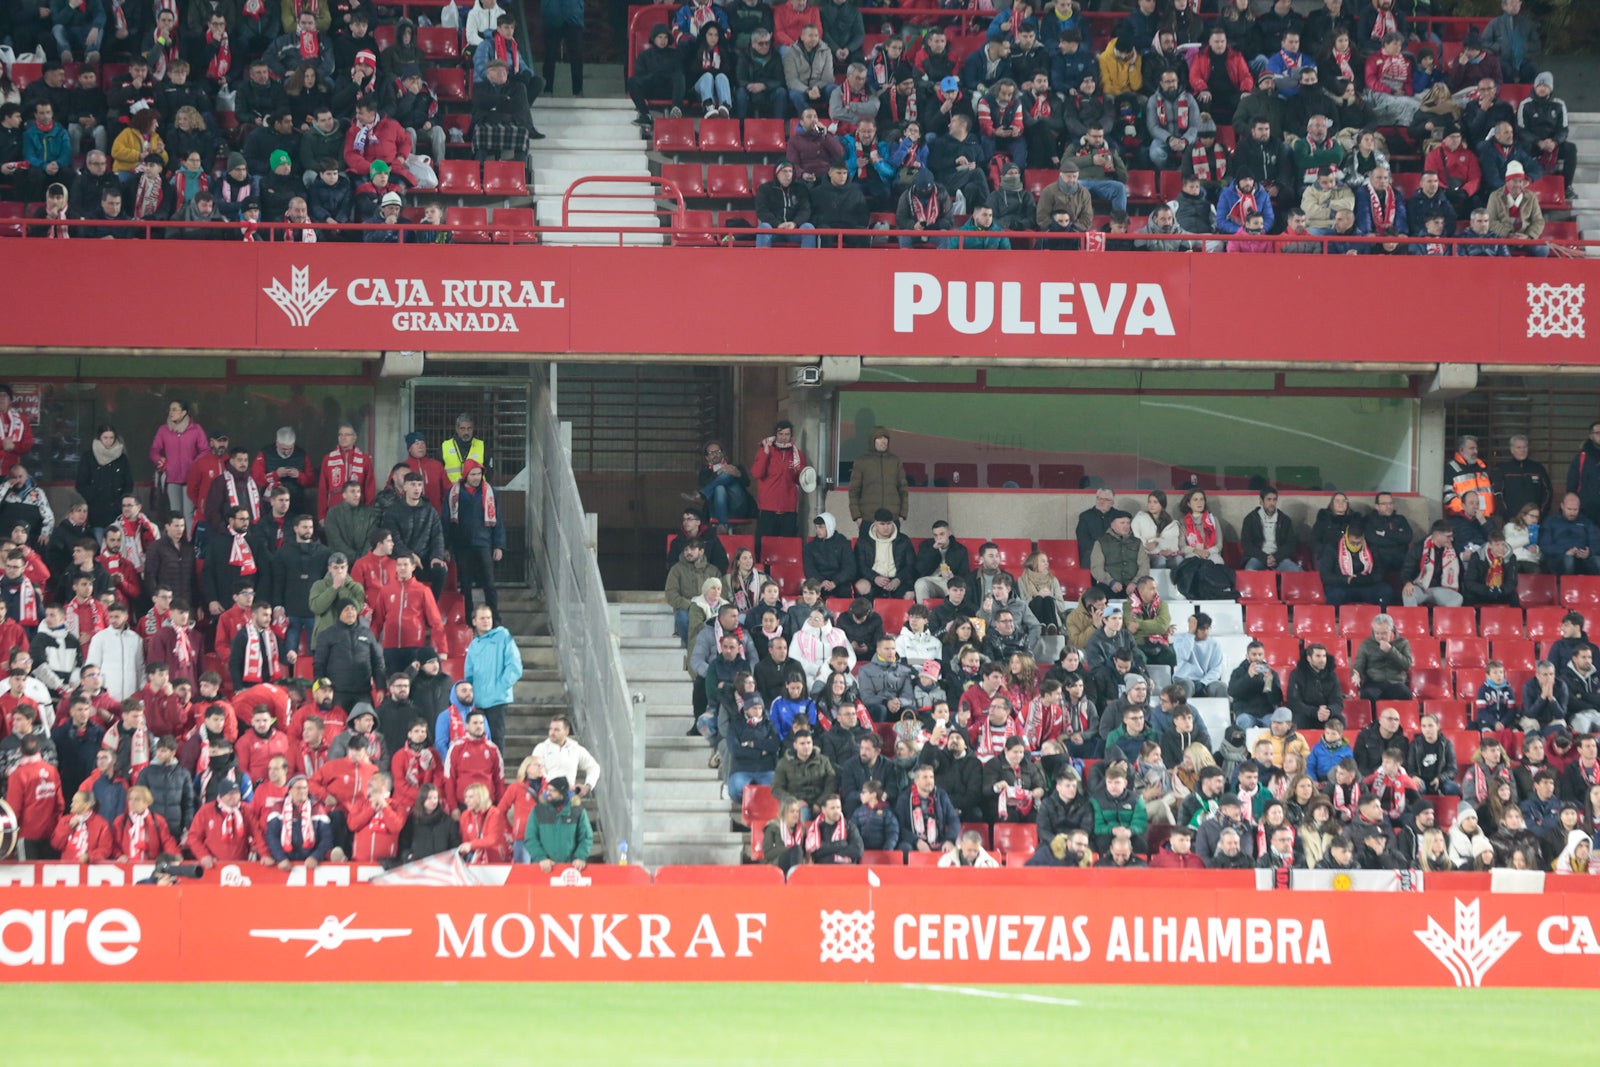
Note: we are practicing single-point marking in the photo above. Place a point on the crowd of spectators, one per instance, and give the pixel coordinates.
(1271, 122)
(911, 695)
(254, 113)
(273, 664)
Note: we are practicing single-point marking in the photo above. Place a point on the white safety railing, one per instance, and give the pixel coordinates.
(609, 720)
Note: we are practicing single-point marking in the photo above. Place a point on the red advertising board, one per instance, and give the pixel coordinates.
(964, 933)
(539, 300)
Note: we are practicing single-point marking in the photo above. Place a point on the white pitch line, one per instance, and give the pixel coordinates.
(991, 994)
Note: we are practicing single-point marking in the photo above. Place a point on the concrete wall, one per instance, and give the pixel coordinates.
(976, 513)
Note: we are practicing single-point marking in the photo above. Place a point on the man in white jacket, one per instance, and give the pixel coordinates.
(813, 646)
(119, 653)
(563, 757)
(968, 853)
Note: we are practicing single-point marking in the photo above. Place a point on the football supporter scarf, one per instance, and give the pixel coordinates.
(27, 602)
(78, 840)
(1383, 208)
(221, 59)
(1202, 533)
(1392, 792)
(232, 821)
(1448, 564)
(991, 740)
(926, 213)
(924, 824)
(251, 492)
(1497, 572)
(1208, 164)
(119, 17)
(491, 514)
(1350, 554)
(1242, 209)
(138, 833)
(1177, 115)
(505, 53)
(11, 423)
(1015, 798)
(253, 654)
(420, 762)
(341, 467)
(1346, 799)
(1383, 23)
(840, 832)
(136, 533)
(240, 555)
(1039, 106)
(305, 818)
(903, 109)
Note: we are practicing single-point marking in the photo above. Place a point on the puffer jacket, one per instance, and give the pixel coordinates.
(1310, 689)
(172, 790)
(878, 480)
(493, 666)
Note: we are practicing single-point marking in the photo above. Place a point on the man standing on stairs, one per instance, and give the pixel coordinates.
(493, 667)
(563, 24)
(563, 757)
(456, 450)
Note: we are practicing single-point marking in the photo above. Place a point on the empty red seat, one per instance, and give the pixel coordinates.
(1302, 588)
(1282, 652)
(25, 74)
(1355, 621)
(1142, 187)
(781, 548)
(1452, 714)
(469, 216)
(894, 858)
(1315, 622)
(1544, 624)
(439, 42)
(384, 36)
(765, 135)
(1038, 179)
(690, 178)
(958, 475)
(699, 222)
(1500, 621)
(788, 574)
(11, 214)
(1580, 592)
(1411, 623)
(761, 174)
(1455, 622)
(1061, 475)
(674, 135)
(1256, 585)
(1014, 551)
(1169, 183)
(460, 177)
(893, 613)
(720, 135)
(515, 225)
(1016, 836)
(505, 177)
(1536, 590)
(1263, 619)
(1465, 652)
(1551, 193)
(1073, 582)
(1063, 552)
(728, 181)
(1001, 473)
(1431, 684)
(449, 84)
(1516, 653)
(1425, 653)
(1468, 682)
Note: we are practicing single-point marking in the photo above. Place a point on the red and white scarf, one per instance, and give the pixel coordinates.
(119, 17)
(903, 109)
(342, 467)
(12, 425)
(420, 762)
(928, 213)
(456, 724)
(1202, 533)
(139, 828)
(232, 821)
(1178, 114)
(1040, 106)
(1382, 210)
(310, 44)
(137, 532)
(1449, 567)
(1015, 797)
(254, 9)
(1208, 164)
(840, 832)
(27, 602)
(1342, 60)
(221, 59)
(1395, 801)
(1242, 209)
(991, 739)
(1346, 799)
(306, 817)
(78, 841)
(138, 751)
(924, 823)
(251, 492)
(491, 515)
(1147, 612)
(240, 554)
(1046, 722)
(1383, 23)
(252, 655)
(1347, 556)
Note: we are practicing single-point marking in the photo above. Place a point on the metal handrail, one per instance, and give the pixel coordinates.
(661, 188)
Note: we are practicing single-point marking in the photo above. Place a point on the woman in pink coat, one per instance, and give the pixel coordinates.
(177, 445)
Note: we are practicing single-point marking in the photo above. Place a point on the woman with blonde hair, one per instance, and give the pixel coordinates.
(783, 843)
(744, 580)
(485, 838)
(1043, 593)
(1157, 531)
(1522, 537)
(704, 608)
(1435, 853)
(517, 805)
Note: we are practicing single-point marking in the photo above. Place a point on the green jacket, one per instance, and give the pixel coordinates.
(1142, 628)
(558, 834)
(1118, 559)
(810, 781)
(323, 596)
(1111, 812)
(684, 581)
(878, 480)
(349, 529)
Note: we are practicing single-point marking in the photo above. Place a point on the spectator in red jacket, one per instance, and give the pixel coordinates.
(312, 755)
(343, 781)
(376, 820)
(432, 471)
(483, 828)
(474, 759)
(222, 830)
(375, 569)
(204, 471)
(178, 645)
(1178, 853)
(1458, 170)
(373, 137)
(16, 434)
(1218, 92)
(519, 800)
(406, 618)
(417, 765)
(123, 574)
(276, 698)
(344, 464)
(232, 621)
(776, 471)
(34, 792)
(265, 799)
(264, 740)
(139, 835)
(81, 836)
(161, 712)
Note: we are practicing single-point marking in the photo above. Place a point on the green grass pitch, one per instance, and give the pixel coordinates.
(473, 1025)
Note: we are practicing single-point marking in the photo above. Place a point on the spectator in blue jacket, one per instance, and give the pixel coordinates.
(1569, 542)
(1380, 198)
(493, 666)
(47, 149)
(1498, 151)
(475, 533)
(1478, 227)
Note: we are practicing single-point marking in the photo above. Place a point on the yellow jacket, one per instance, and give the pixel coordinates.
(1292, 743)
(1117, 77)
(128, 150)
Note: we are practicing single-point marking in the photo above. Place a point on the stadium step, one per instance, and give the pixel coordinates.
(592, 137)
(677, 752)
(721, 850)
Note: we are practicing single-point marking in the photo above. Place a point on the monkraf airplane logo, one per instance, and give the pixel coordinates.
(300, 302)
(1468, 953)
(332, 934)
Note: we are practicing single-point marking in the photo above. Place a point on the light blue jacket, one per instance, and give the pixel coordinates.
(1198, 661)
(494, 666)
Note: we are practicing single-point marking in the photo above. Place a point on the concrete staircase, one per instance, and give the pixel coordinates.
(1584, 132)
(585, 138)
(686, 815)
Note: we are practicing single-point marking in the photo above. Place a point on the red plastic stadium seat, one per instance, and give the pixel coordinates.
(1142, 187)
(1315, 622)
(1536, 590)
(1411, 623)
(1014, 551)
(761, 174)
(981, 829)
(1227, 137)
(757, 804)
(893, 613)
(1063, 553)
(1544, 624)
(439, 42)
(893, 858)
(728, 181)
(788, 549)
(505, 177)
(452, 606)
(1431, 684)
(1282, 652)
(1499, 621)
(1302, 588)
(916, 473)
(1462, 652)
(960, 475)
(450, 84)
(1073, 581)
(765, 136)
(1551, 193)
(690, 178)
(1581, 592)
(1453, 714)
(698, 220)
(735, 543)
(1444, 808)
(1256, 585)
(1407, 183)
(1038, 179)
(1355, 621)
(1169, 183)
(12, 210)
(1516, 653)
(720, 135)
(674, 135)
(1455, 622)
(384, 36)
(1266, 620)
(24, 74)
(1061, 475)
(839, 604)
(788, 575)
(923, 859)
(469, 216)
(460, 177)
(1425, 653)
(1001, 473)
(1016, 836)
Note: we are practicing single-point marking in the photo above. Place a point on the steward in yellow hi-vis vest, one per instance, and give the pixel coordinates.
(458, 449)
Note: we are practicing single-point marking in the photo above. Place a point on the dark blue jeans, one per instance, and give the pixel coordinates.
(725, 497)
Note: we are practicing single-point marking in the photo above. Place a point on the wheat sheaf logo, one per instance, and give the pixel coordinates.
(1467, 954)
(300, 302)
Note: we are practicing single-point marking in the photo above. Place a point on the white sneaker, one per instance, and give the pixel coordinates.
(711, 110)
(674, 112)
(722, 111)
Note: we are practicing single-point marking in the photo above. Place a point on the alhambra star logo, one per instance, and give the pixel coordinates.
(300, 302)
(1468, 954)
(1555, 310)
